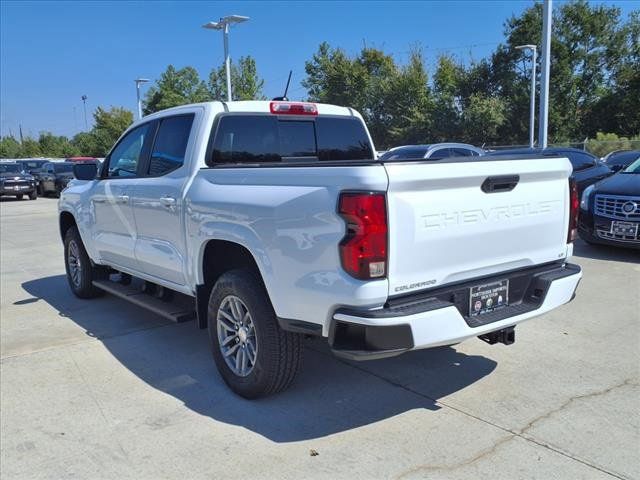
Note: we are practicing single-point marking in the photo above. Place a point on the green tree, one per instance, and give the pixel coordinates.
(366, 83)
(245, 82)
(10, 148)
(175, 87)
(56, 146)
(592, 56)
(30, 148)
(482, 118)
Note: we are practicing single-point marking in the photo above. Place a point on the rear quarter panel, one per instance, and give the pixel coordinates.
(287, 218)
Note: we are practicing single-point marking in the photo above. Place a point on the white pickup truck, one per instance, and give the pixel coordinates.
(268, 221)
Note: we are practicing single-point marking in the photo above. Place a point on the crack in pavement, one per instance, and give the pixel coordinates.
(512, 433)
(598, 393)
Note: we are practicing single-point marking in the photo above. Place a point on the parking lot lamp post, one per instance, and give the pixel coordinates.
(139, 81)
(84, 102)
(224, 24)
(534, 59)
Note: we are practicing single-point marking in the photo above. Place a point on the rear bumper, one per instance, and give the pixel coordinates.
(430, 320)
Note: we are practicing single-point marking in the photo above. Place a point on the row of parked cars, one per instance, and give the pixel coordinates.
(37, 177)
(608, 187)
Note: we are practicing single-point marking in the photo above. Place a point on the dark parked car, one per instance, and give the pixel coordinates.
(621, 159)
(587, 168)
(34, 167)
(610, 209)
(16, 182)
(55, 177)
(433, 151)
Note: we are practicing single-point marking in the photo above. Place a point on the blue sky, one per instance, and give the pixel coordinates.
(52, 52)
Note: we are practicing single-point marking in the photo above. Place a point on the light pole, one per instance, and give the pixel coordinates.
(543, 118)
(534, 59)
(224, 24)
(84, 102)
(139, 81)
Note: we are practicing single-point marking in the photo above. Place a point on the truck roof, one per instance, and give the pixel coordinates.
(253, 106)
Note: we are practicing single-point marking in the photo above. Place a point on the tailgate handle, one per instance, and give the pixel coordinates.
(501, 183)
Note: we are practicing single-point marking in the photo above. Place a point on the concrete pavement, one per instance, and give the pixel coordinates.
(103, 389)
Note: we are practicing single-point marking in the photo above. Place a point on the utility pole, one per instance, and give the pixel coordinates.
(139, 81)
(84, 102)
(543, 120)
(224, 24)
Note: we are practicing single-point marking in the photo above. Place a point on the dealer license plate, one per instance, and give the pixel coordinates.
(628, 229)
(488, 297)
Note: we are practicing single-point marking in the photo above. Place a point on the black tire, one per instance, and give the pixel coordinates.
(33, 195)
(81, 285)
(19, 196)
(279, 353)
(40, 191)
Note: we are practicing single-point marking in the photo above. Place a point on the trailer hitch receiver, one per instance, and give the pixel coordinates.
(506, 336)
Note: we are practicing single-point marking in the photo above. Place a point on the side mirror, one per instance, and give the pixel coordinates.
(616, 168)
(85, 171)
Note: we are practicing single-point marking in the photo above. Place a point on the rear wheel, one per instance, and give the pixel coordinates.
(253, 354)
(33, 195)
(80, 271)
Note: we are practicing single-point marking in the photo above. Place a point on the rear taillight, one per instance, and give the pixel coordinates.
(363, 250)
(574, 207)
(293, 108)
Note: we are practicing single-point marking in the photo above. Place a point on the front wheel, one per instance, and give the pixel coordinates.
(19, 196)
(80, 271)
(253, 354)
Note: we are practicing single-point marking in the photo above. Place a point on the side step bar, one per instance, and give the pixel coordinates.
(179, 310)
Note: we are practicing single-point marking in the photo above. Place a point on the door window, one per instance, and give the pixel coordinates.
(170, 144)
(125, 157)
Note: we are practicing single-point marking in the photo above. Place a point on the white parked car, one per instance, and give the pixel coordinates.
(433, 151)
(274, 220)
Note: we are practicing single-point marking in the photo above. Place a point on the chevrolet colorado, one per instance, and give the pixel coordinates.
(269, 221)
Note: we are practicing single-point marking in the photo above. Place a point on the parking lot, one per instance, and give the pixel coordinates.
(104, 389)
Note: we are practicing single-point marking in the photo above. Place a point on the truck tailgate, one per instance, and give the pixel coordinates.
(446, 227)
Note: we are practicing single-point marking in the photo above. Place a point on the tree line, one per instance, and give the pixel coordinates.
(595, 88)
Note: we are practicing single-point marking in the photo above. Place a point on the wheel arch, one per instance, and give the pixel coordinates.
(66, 221)
(216, 257)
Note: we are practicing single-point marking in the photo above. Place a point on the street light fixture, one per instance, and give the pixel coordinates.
(224, 24)
(139, 81)
(534, 59)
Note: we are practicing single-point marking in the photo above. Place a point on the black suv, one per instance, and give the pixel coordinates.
(55, 176)
(16, 182)
(587, 168)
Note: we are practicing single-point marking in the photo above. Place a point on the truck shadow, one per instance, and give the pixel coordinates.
(605, 252)
(329, 396)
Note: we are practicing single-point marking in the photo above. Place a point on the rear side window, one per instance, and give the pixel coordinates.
(463, 152)
(265, 138)
(580, 161)
(405, 153)
(440, 154)
(170, 144)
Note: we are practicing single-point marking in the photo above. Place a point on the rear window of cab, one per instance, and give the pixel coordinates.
(255, 139)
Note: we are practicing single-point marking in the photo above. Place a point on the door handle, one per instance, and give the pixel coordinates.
(501, 183)
(99, 200)
(122, 199)
(168, 201)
